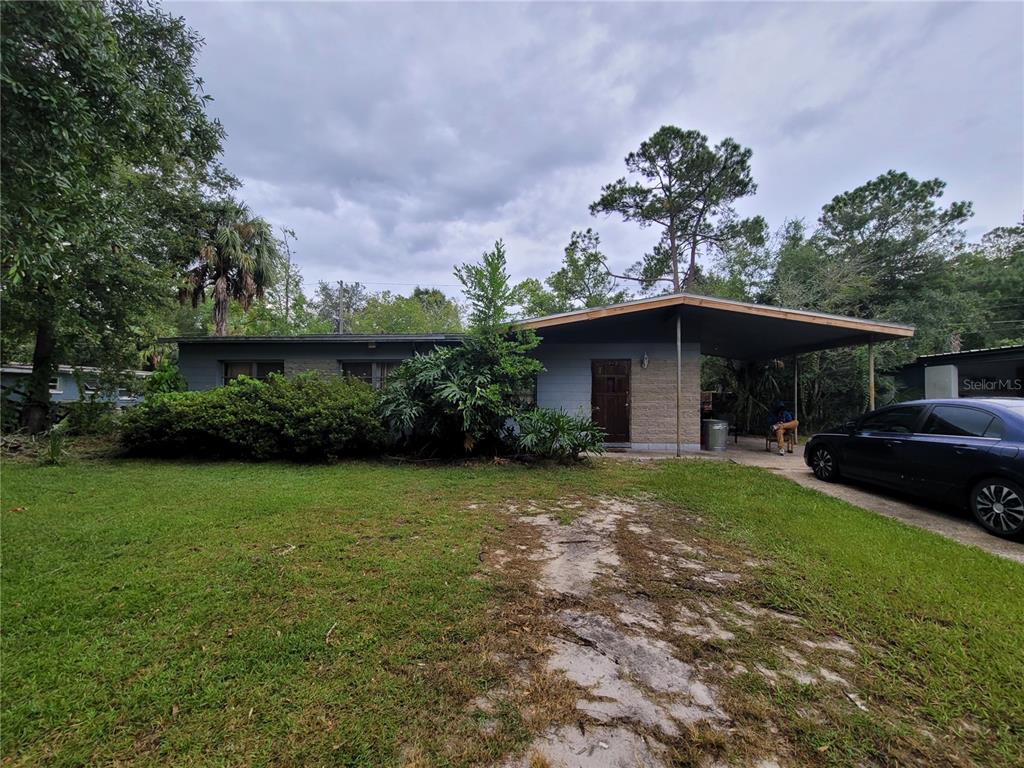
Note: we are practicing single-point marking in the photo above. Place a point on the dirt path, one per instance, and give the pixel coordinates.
(634, 647)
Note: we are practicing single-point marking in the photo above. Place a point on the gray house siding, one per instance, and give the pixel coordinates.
(566, 385)
(202, 364)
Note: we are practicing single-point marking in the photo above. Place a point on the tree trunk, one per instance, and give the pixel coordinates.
(220, 307)
(692, 271)
(35, 413)
(674, 250)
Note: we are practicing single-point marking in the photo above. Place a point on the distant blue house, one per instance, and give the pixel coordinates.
(64, 386)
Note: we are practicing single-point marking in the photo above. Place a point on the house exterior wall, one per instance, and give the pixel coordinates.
(202, 364)
(566, 385)
(67, 389)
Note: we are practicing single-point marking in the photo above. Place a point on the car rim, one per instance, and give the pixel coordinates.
(822, 463)
(1000, 508)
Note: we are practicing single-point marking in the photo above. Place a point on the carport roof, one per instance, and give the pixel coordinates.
(722, 327)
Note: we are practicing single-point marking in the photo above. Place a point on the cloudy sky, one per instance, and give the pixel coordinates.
(398, 140)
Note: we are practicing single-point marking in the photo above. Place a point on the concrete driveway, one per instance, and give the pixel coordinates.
(950, 522)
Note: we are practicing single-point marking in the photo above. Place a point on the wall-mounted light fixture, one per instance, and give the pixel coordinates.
(644, 361)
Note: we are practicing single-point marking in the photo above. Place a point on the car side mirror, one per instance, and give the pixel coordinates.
(850, 425)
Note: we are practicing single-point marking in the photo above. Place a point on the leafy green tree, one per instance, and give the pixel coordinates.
(582, 281)
(461, 399)
(237, 258)
(425, 312)
(992, 272)
(333, 303)
(536, 300)
(486, 286)
(104, 127)
(886, 250)
(686, 188)
(284, 310)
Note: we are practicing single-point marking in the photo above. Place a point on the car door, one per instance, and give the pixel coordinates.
(951, 449)
(876, 449)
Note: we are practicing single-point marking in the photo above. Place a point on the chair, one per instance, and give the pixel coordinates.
(788, 439)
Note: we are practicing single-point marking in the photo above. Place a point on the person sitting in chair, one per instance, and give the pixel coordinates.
(782, 420)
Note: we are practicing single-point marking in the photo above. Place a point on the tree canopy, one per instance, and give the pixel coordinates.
(685, 187)
(108, 151)
(889, 250)
(582, 281)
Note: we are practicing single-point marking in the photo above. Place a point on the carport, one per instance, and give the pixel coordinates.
(641, 334)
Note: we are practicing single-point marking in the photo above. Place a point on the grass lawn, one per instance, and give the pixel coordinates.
(274, 614)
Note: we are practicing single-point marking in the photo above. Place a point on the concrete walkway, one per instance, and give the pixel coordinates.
(950, 522)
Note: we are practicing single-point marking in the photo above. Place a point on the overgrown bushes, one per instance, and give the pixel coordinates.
(87, 417)
(307, 417)
(549, 434)
(476, 398)
(471, 399)
(460, 400)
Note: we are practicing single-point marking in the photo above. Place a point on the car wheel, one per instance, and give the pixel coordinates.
(999, 506)
(823, 464)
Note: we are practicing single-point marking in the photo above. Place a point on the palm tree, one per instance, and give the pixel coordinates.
(236, 255)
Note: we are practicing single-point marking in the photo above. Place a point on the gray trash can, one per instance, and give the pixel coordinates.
(714, 434)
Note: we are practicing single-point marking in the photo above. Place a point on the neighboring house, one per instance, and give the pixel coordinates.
(626, 365)
(992, 372)
(64, 386)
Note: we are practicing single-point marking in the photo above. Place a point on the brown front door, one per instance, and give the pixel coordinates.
(609, 398)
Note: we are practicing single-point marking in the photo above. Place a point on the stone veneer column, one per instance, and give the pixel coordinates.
(653, 396)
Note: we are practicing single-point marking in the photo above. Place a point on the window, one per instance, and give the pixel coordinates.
(386, 369)
(373, 373)
(527, 397)
(899, 420)
(55, 386)
(961, 422)
(255, 369)
(361, 371)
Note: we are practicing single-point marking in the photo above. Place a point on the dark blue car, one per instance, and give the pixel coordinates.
(969, 451)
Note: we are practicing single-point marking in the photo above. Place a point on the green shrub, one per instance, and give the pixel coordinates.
(166, 378)
(87, 417)
(11, 400)
(56, 444)
(308, 417)
(547, 434)
(458, 400)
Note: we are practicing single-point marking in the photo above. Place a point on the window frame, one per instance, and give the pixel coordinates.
(918, 421)
(380, 370)
(252, 363)
(994, 420)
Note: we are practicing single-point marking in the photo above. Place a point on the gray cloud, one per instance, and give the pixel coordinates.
(398, 140)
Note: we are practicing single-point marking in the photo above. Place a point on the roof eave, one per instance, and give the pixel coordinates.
(879, 328)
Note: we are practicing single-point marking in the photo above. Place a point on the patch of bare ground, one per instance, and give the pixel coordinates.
(625, 635)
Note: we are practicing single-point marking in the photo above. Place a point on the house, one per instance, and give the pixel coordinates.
(633, 367)
(212, 361)
(992, 372)
(71, 383)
